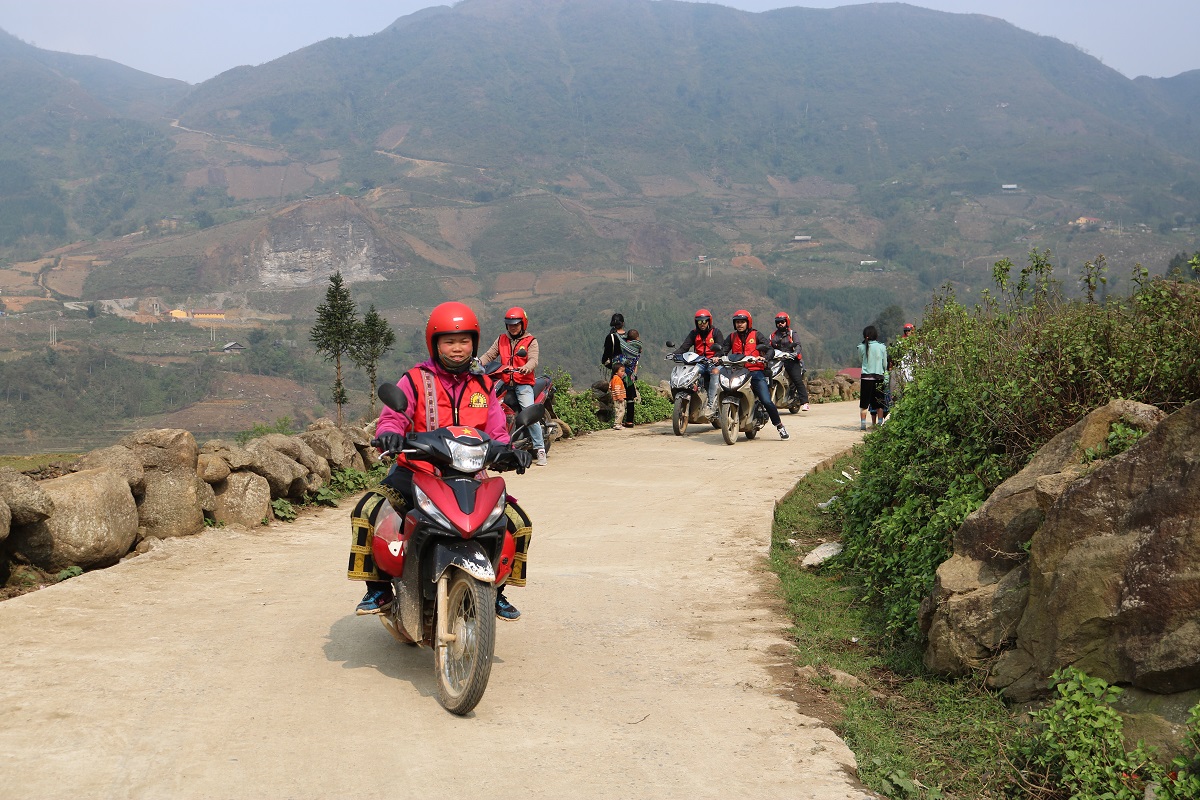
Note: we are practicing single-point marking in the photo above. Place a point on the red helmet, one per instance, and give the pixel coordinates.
(451, 318)
(782, 316)
(908, 328)
(703, 314)
(516, 314)
(743, 315)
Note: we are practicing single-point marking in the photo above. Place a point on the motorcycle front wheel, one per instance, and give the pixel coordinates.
(729, 422)
(679, 418)
(464, 665)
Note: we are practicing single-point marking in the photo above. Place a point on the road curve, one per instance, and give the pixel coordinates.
(231, 665)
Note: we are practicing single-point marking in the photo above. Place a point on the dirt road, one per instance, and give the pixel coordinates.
(231, 665)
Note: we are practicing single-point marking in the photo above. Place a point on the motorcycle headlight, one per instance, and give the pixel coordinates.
(426, 505)
(467, 457)
(737, 379)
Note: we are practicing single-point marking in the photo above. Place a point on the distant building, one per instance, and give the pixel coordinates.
(178, 313)
(207, 313)
(1009, 187)
(1087, 221)
(801, 238)
(867, 263)
(232, 347)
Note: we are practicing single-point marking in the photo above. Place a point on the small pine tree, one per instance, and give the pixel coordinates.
(335, 331)
(375, 337)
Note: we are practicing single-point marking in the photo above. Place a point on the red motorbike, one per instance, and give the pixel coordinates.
(450, 552)
(543, 393)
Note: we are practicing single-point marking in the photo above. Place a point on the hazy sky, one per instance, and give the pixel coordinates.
(194, 41)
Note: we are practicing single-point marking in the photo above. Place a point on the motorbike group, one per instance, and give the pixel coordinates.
(746, 378)
(440, 539)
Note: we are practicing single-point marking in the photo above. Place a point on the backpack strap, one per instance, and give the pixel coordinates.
(431, 414)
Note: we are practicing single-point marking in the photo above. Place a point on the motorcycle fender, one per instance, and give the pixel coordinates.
(390, 542)
(508, 554)
(467, 556)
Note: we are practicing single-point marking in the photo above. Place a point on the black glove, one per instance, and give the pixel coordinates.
(512, 459)
(388, 442)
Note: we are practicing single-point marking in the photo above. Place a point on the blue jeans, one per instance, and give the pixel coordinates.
(712, 376)
(525, 400)
(762, 390)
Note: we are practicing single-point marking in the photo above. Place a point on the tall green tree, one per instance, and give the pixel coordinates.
(335, 332)
(375, 337)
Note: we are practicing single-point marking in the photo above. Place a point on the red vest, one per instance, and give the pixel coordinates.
(469, 408)
(703, 343)
(509, 358)
(747, 347)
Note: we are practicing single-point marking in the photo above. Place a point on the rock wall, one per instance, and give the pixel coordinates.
(156, 484)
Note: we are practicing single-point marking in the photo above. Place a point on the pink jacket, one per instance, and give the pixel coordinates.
(391, 422)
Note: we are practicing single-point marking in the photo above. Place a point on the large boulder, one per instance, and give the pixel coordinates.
(335, 445)
(997, 531)
(234, 456)
(970, 617)
(95, 522)
(287, 478)
(5, 520)
(174, 498)
(24, 497)
(212, 468)
(120, 460)
(243, 498)
(163, 449)
(1114, 572)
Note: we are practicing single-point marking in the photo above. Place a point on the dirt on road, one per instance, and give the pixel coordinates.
(231, 664)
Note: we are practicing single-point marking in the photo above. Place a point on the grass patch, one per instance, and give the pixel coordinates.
(38, 461)
(914, 735)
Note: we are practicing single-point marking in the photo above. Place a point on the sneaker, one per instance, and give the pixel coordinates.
(505, 609)
(804, 407)
(862, 426)
(541, 458)
(618, 427)
(783, 434)
(376, 601)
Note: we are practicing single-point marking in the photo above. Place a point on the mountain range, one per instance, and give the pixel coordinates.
(575, 155)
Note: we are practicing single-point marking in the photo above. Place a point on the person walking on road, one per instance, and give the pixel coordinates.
(873, 356)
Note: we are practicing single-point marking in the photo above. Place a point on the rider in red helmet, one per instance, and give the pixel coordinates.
(705, 340)
(784, 338)
(518, 350)
(745, 340)
(448, 389)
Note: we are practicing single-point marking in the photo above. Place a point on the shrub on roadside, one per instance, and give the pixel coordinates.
(990, 386)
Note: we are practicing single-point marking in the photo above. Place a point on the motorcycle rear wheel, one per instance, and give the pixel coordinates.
(679, 418)
(729, 422)
(464, 665)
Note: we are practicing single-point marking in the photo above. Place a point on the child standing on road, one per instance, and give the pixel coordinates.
(617, 387)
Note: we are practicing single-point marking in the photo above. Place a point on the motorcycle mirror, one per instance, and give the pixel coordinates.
(530, 415)
(391, 396)
(670, 344)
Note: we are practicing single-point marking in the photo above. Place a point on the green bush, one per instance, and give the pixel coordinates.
(1078, 746)
(651, 406)
(285, 425)
(991, 385)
